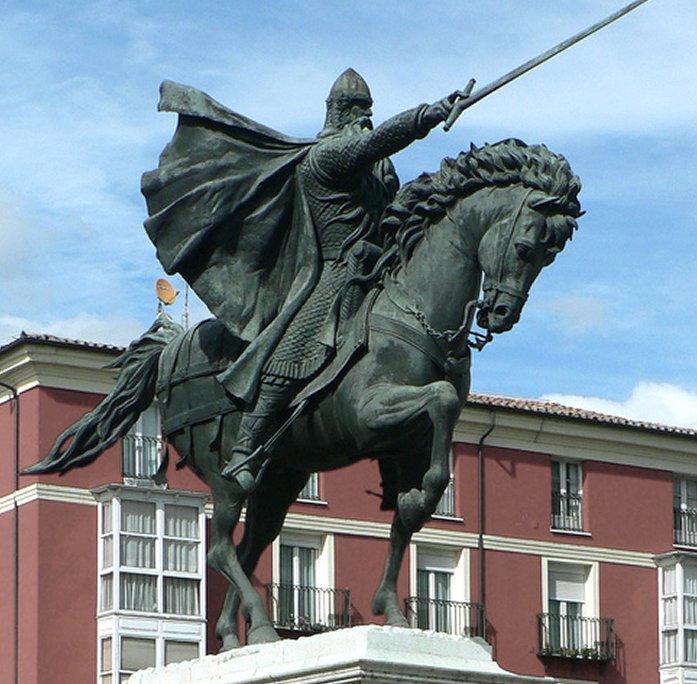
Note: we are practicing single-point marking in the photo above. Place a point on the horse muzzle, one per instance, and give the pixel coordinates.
(500, 309)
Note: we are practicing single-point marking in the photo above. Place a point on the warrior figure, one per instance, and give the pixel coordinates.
(338, 185)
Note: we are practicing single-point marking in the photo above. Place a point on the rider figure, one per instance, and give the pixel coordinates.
(347, 180)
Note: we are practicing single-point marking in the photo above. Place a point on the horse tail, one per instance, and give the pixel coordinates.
(119, 410)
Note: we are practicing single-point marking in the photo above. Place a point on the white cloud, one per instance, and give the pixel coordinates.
(578, 314)
(654, 402)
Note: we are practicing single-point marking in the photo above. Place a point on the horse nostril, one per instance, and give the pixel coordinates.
(501, 310)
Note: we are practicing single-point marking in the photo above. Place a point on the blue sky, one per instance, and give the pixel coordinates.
(611, 325)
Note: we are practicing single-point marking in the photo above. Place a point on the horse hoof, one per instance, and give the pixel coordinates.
(230, 642)
(396, 619)
(411, 509)
(262, 635)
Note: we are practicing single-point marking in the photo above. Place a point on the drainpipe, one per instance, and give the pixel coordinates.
(480, 516)
(15, 532)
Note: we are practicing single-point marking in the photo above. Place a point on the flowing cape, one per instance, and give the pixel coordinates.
(225, 212)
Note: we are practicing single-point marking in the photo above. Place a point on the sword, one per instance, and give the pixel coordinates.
(464, 103)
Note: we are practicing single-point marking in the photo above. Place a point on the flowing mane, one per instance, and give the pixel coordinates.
(423, 201)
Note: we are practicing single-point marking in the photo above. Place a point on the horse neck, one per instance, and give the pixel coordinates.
(443, 273)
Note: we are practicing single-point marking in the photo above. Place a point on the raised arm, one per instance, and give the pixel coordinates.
(342, 156)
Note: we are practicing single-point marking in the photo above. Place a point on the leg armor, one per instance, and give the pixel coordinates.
(257, 425)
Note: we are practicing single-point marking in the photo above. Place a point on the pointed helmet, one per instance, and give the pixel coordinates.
(350, 87)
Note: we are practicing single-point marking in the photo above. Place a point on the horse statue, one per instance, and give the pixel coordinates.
(503, 210)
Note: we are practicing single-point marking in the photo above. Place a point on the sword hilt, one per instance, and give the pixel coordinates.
(460, 105)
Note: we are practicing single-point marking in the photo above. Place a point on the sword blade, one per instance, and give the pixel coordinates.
(461, 105)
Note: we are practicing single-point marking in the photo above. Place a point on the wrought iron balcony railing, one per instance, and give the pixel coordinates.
(567, 512)
(685, 526)
(308, 609)
(446, 505)
(140, 456)
(451, 617)
(583, 638)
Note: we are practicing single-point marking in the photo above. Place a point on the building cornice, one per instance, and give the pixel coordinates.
(34, 364)
(578, 439)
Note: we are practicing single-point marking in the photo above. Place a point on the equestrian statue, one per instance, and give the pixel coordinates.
(344, 311)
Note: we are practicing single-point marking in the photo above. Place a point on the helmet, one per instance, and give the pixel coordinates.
(348, 89)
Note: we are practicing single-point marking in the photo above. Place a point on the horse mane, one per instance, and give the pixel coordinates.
(425, 200)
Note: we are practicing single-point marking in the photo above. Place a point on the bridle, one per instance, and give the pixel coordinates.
(497, 286)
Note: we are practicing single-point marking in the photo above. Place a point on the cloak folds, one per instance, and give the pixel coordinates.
(226, 212)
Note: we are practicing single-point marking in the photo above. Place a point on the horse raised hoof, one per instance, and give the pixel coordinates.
(412, 510)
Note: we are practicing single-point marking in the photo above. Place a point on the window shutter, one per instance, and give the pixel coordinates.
(567, 584)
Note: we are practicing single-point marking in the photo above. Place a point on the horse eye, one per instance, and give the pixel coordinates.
(524, 250)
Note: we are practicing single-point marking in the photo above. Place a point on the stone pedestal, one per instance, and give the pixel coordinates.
(379, 655)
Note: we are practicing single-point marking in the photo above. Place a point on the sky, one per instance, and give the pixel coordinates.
(609, 326)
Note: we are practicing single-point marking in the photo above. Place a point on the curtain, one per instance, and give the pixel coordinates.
(181, 596)
(181, 522)
(138, 517)
(690, 646)
(107, 602)
(137, 552)
(181, 556)
(139, 592)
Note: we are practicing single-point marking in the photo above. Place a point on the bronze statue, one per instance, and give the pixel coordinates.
(293, 228)
(344, 310)
(399, 300)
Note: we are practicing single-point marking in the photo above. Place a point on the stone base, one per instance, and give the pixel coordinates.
(379, 655)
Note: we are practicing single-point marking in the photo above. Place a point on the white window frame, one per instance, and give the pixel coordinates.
(324, 563)
(451, 559)
(137, 433)
(681, 482)
(115, 622)
(311, 492)
(447, 505)
(592, 592)
(676, 668)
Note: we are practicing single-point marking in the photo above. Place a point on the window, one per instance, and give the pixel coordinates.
(302, 596)
(439, 592)
(151, 563)
(310, 492)
(570, 626)
(298, 583)
(446, 504)
(677, 581)
(136, 652)
(434, 576)
(141, 448)
(685, 511)
(567, 496)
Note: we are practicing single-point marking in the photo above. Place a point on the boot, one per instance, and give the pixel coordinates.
(256, 426)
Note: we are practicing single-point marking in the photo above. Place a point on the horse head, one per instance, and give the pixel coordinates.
(513, 252)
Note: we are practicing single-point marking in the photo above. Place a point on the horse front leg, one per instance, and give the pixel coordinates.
(389, 407)
(222, 557)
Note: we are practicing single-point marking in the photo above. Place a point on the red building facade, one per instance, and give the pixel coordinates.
(568, 540)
